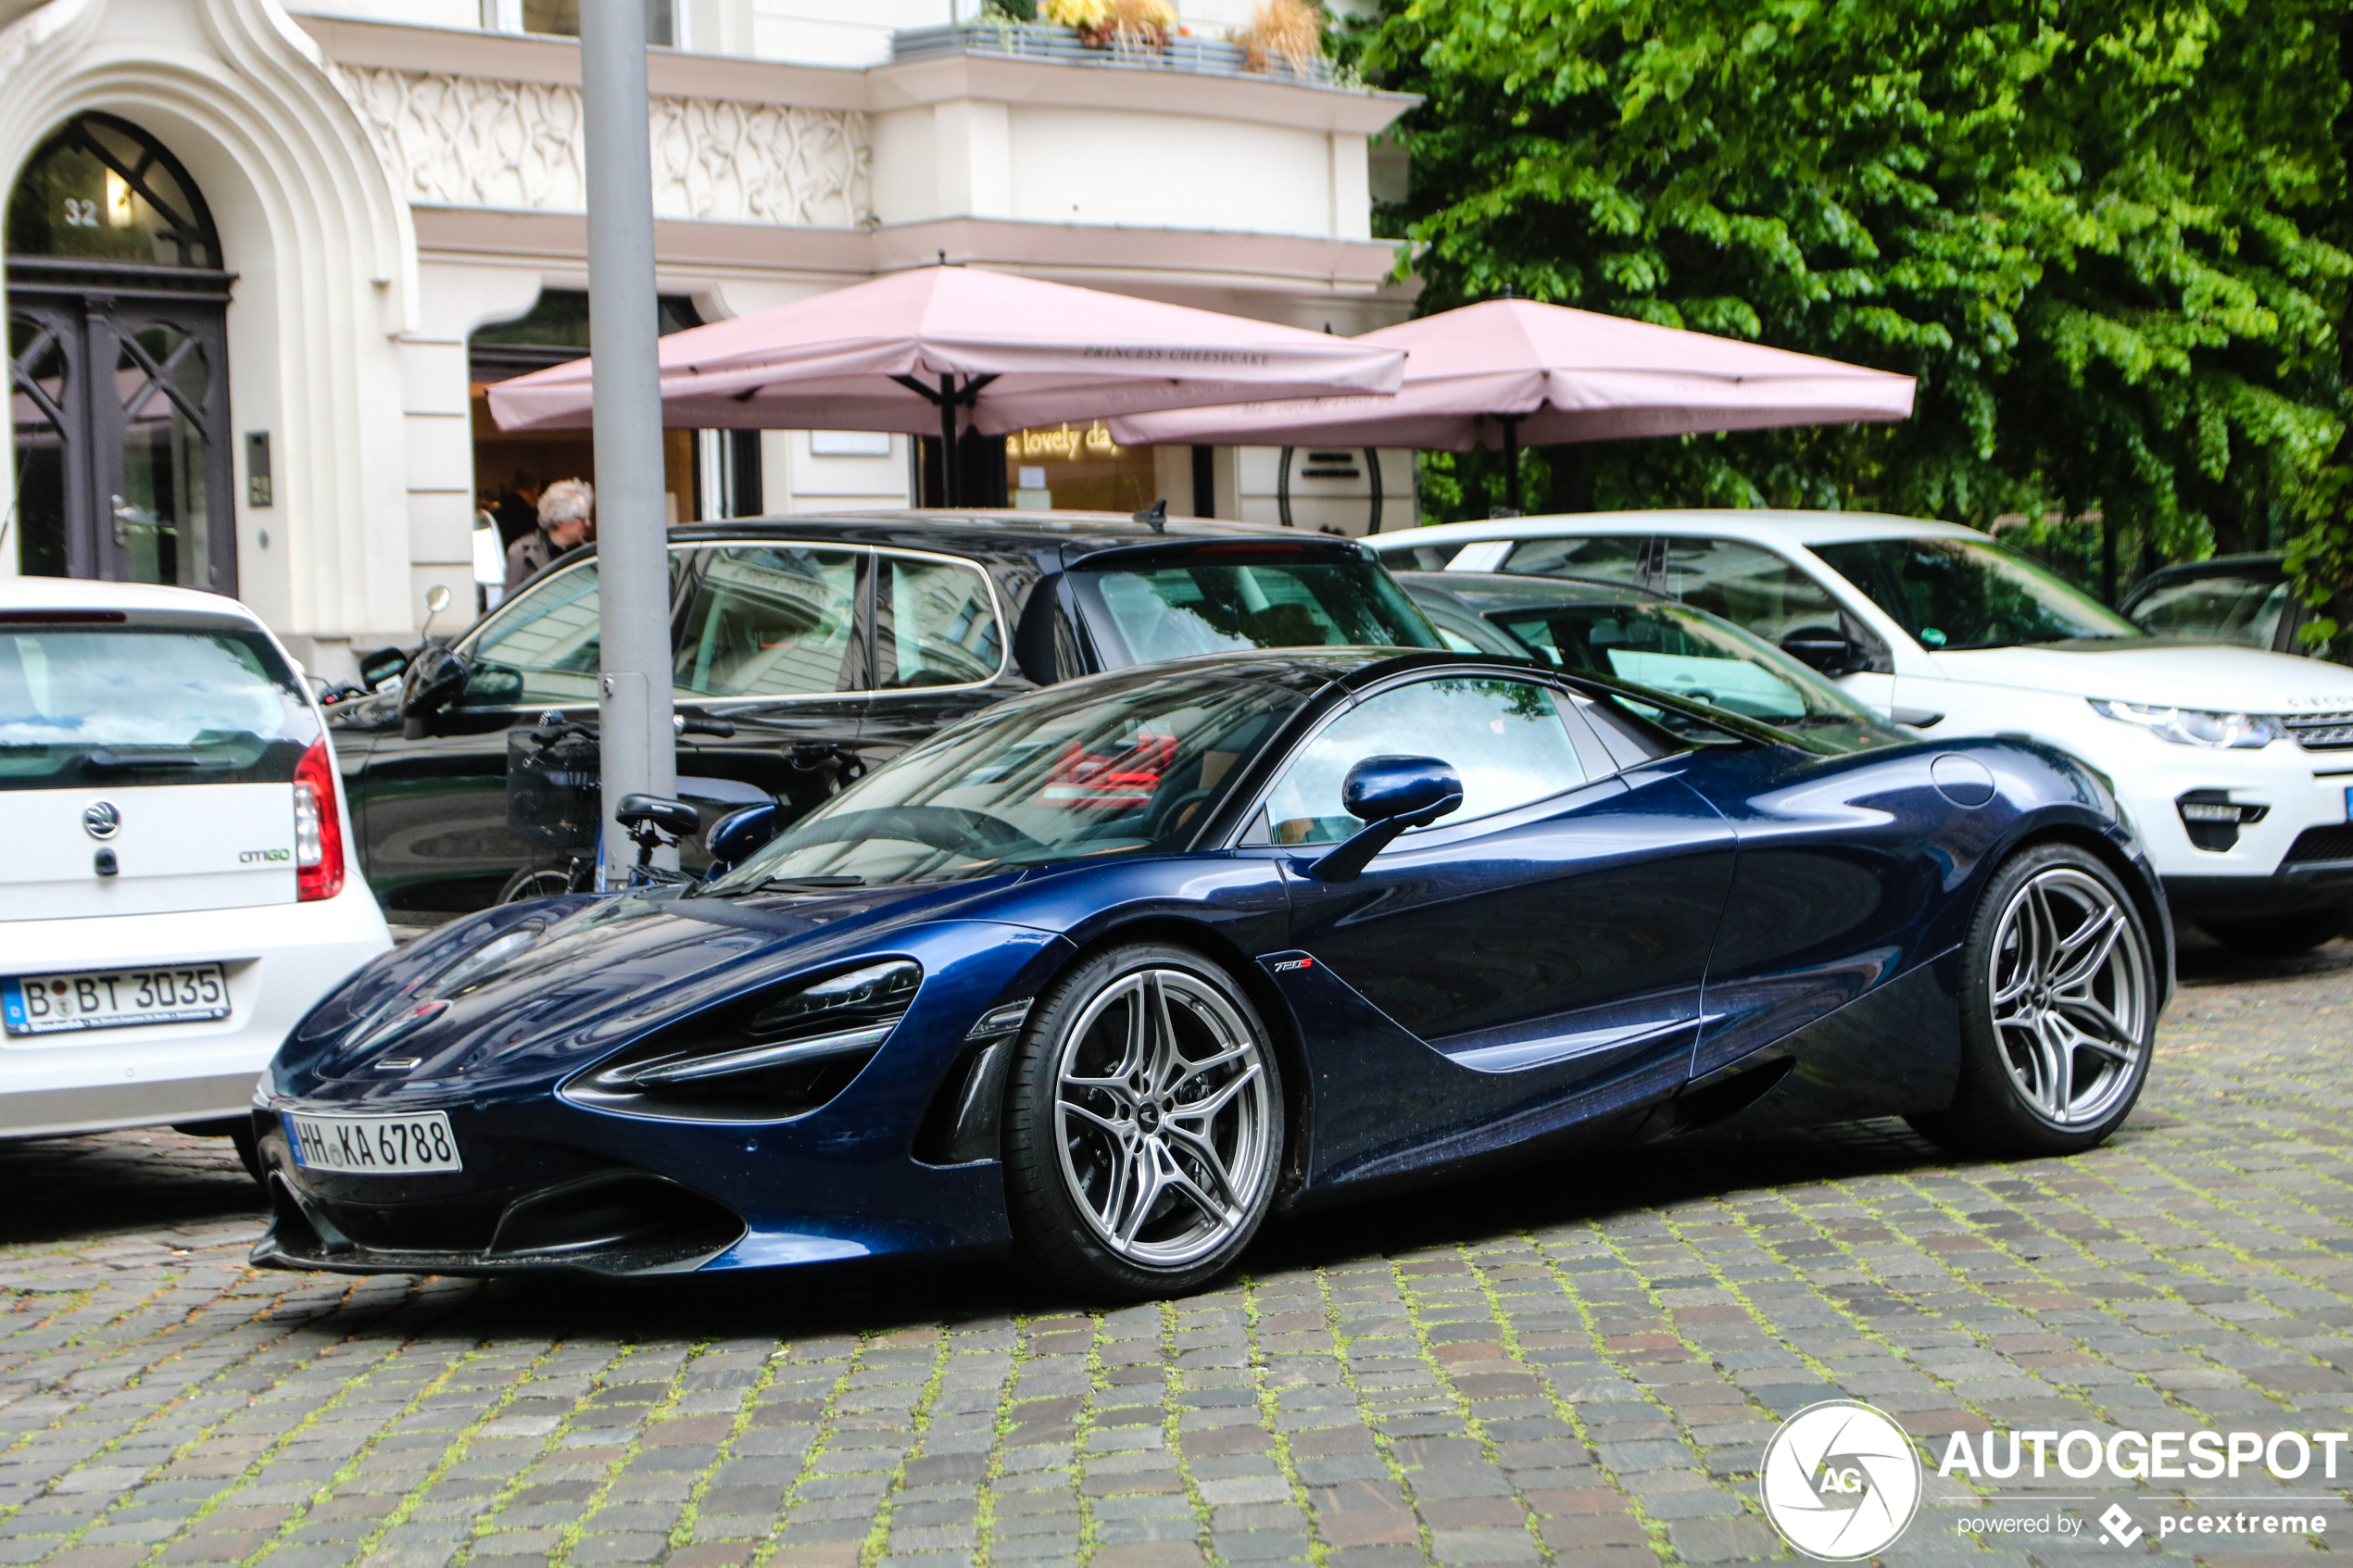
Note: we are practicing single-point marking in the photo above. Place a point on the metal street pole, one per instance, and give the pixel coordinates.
(633, 550)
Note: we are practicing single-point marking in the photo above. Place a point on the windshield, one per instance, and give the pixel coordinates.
(1129, 767)
(1684, 653)
(1970, 594)
(2215, 607)
(80, 705)
(1229, 598)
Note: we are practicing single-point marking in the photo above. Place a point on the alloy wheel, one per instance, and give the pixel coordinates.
(1163, 1118)
(2071, 997)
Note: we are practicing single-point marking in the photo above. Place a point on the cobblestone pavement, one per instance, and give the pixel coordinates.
(1579, 1365)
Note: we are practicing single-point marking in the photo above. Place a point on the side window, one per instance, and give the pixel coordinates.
(769, 620)
(935, 624)
(1508, 739)
(1609, 558)
(543, 648)
(1748, 586)
(1420, 557)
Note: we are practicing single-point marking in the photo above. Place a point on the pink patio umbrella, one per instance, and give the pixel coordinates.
(923, 352)
(1508, 371)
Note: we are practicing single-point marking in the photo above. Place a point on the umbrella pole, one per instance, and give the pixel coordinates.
(1512, 496)
(948, 476)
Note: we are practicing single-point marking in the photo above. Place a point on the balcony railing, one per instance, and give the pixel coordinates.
(1061, 45)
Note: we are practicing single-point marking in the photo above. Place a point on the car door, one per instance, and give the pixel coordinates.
(1533, 960)
(769, 639)
(1845, 865)
(435, 806)
(940, 641)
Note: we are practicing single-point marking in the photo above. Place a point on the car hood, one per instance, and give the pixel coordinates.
(600, 972)
(2205, 675)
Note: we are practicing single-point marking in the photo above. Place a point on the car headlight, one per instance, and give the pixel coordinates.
(774, 1056)
(2190, 726)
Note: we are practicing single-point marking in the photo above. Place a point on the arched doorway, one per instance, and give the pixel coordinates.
(118, 364)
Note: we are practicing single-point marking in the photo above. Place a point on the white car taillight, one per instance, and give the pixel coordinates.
(318, 827)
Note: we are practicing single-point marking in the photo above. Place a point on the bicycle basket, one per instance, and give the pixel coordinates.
(554, 799)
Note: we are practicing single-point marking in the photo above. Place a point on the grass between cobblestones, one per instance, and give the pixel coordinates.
(1576, 1365)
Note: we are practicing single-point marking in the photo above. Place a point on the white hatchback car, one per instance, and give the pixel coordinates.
(2235, 765)
(181, 887)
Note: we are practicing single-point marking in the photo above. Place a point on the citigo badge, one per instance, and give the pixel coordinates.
(1840, 1480)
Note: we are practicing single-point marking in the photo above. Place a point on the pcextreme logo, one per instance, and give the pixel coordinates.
(1840, 1480)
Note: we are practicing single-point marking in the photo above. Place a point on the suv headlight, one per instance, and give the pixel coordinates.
(2190, 726)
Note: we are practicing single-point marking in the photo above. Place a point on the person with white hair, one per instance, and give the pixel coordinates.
(566, 510)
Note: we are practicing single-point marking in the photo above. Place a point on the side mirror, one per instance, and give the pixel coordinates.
(430, 682)
(377, 668)
(1825, 649)
(1388, 795)
(1381, 789)
(737, 835)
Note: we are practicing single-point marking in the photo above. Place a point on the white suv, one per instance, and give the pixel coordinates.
(180, 888)
(2235, 765)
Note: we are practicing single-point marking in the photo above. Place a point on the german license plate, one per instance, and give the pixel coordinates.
(374, 1146)
(118, 998)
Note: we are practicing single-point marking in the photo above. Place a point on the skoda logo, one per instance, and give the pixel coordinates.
(1840, 1480)
(101, 819)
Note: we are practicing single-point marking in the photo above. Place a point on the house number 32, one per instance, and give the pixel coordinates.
(80, 214)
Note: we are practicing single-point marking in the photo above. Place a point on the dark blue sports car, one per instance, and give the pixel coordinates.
(1107, 972)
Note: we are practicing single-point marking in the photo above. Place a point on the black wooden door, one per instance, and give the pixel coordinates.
(125, 468)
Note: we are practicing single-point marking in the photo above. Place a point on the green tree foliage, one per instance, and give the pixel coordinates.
(2105, 234)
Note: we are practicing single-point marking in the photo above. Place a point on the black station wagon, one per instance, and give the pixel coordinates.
(826, 645)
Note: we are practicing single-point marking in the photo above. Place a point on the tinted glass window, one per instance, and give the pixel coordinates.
(1670, 648)
(1508, 740)
(1965, 593)
(769, 621)
(1609, 558)
(1065, 774)
(2221, 608)
(1748, 586)
(1145, 614)
(1420, 557)
(936, 625)
(541, 648)
(82, 706)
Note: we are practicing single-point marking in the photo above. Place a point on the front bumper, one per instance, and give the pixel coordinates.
(550, 1188)
(613, 1221)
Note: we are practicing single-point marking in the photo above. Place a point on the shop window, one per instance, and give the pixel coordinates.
(512, 467)
(1078, 468)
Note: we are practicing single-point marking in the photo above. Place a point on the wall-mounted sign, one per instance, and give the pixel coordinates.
(257, 486)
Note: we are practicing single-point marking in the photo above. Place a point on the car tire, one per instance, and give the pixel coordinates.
(1143, 1129)
(2276, 936)
(2058, 1011)
(527, 884)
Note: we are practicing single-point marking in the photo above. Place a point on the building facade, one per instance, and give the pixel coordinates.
(303, 239)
